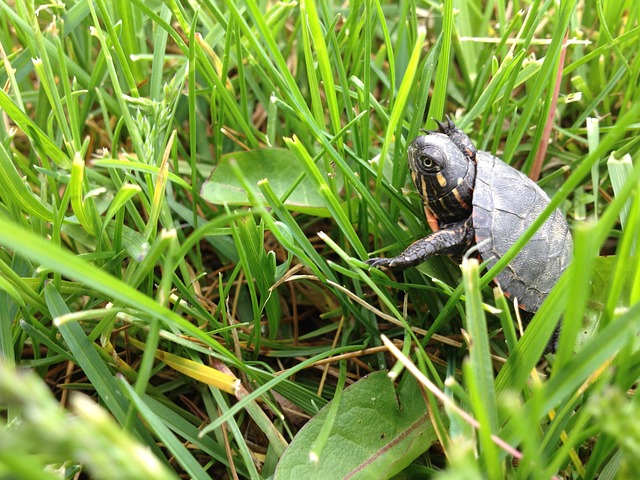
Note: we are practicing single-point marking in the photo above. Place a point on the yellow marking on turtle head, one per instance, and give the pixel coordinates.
(424, 189)
(441, 180)
(443, 204)
(460, 199)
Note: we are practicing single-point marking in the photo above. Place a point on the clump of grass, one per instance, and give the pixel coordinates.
(187, 196)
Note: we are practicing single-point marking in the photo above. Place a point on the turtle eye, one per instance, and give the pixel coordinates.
(426, 162)
(431, 159)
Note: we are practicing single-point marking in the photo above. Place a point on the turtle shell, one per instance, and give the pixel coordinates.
(505, 203)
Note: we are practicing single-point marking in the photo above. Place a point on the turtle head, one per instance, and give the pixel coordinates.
(444, 176)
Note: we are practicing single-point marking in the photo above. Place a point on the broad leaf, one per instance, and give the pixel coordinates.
(601, 281)
(376, 434)
(279, 166)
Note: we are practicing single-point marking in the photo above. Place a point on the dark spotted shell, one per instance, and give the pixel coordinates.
(505, 203)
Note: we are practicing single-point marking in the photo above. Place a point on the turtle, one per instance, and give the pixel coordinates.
(473, 199)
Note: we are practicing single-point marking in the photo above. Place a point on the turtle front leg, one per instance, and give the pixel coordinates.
(452, 239)
(458, 137)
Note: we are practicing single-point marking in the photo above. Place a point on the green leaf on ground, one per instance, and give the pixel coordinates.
(279, 166)
(377, 432)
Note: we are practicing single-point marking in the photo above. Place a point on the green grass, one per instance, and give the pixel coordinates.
(187, 197)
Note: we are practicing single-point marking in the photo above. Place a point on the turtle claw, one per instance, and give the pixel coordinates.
(378, 262)
(457, 136)
(447, 127)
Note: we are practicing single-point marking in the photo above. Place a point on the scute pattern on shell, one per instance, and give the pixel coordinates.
(505, 203)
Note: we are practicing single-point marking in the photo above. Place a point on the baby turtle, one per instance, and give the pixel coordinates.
(473, 198)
